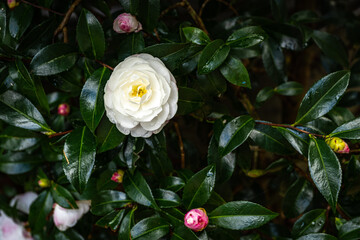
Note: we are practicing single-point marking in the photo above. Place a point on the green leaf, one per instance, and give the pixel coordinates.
(149, 13)
(269, 139)
(199, 188)
(172, 183)
(189, 100)
(235, 133)
(213, 55)
(331, 46)
(108, 136)
(17, 139)
(289, 89)
(92, 98)
(130, 6)
(3, 22)
(323, 96)
(62, 196)
(274, 61)
(53, 59)
(20, 20)
(108, 200)
(196, 35)
(298, 197)
(317, 236)
(183, 233)
(166, 198)
(310, 222)
(125, 227)
(299, 141)
(241, 215)
(138, 190)
(132, 44)
(69, 234)
(278, 9)
(263, 95)
(325, 170)
(39, 211)
(112, 219)
(90, 35)
(349, 130)
(150, 228)
(18, 111)
(350, 230)
(79, 157)
(246, 37)
(235, 72)
(18, 163)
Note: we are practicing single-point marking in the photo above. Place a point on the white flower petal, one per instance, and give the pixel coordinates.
(23, 201)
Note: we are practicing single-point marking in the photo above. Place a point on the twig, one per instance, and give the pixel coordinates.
(355, 150)
(181, 145)
(43, 8)
(59, 134)
(65, 32)
(342, 213)
(67, 160)
(203, 6)
(291, 127)
(220, 1)
(327, 217)
(178, 4)
(67, 17)
(104, 65)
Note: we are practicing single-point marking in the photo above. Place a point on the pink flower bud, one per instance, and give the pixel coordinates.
(12, 4)
(337, 145)
(11, 230)
(118, 176)
(23, 201)
(126, 23)
(44, 183)
(196, 219)
(64, 109)
(67, 218)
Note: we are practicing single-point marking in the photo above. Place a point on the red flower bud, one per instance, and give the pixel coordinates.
(126, 23)
(196, 219)
(64, 109)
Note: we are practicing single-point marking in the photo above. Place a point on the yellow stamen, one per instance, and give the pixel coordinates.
(138, 90)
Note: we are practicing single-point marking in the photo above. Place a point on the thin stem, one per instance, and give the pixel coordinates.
(67, 17)
(342, 213)
(176, 5)
(104, 65)
(181, 145)
(59, 134)
(203, 6)
(291, 127)
(43, 8)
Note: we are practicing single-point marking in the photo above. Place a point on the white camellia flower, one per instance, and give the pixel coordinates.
(24, 201)
(141, 95)
(10, 230)
(67, 218)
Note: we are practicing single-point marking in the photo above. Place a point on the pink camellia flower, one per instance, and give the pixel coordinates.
(10, 230)
(23, 201)
(12, 4)
(118, 176)
(126, 23)
(64, 109)
(67, 218)
(196, 219)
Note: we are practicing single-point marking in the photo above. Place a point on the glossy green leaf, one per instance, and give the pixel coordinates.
(69, 234)
(112, 219)
(274, 61)
(212, 84)
(92, 98)
(20, 20)
(3, 22)
(149, 12)
(235, 72)
(325, 170)
(235, 133)
(166, 198)
(39, 211)
(132, 44)
(90, 35)
(317, 236)
(278, 9)
(18, 163)
(172, 183)
(199, 188)
(53, 59)
(350, 230)
(263, 95)
(270, 139)
(323, 96)
(108, 136)
(17, 139)
(189, 100)
(18, 111)
(310, 222)
(79, 157)
(131, 6)
(331, 46)
(138, 190)
(246, 37)
(241, 215)
(299, 141)
(183, 233)
(297, 198)
(125, 227)
(289, 89)
(62, 196)
(212, 56)
(108, 200)
(196, 35)
(349, 130)
(150, 228)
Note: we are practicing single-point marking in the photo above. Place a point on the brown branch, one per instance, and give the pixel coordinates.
(43, 8)
(65, 32)
(291, 127)
(203, 6)
(59, 134)
(176, 5)
(67, 160)
(67, 17)
(181, 145)
(327, 217)
(104, 65)
(220, 1)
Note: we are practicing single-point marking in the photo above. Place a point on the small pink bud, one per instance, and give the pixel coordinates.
(126, 23)
(12, 4)
(196, 219)
(64, 109)
(337, 145)
(44, 183)
(118, 176)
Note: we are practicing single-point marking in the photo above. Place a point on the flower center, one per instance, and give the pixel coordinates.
(138, 90)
